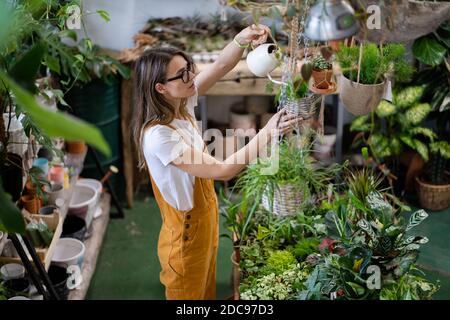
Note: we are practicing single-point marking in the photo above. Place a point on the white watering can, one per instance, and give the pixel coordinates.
(262, 60)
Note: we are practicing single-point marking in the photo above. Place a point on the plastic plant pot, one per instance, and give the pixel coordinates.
(58, 276)
(17, 287)
(74, 227)
(68, 252)
(12, 271)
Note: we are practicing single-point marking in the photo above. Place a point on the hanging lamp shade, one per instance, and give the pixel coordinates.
(331, 20)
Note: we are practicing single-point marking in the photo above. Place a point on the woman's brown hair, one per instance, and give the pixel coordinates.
(150, 107)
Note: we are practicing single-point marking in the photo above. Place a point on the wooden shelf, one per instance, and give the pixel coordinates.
(93, 246)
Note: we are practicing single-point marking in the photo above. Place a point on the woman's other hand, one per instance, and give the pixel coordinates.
(255, 34)
(283, 121)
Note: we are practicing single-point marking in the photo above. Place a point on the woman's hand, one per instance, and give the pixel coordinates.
(255, 34)
(285, 124)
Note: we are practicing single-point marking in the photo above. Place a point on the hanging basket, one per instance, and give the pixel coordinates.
(305, 107)
(286, 200)
(360, 99)
(433, 197)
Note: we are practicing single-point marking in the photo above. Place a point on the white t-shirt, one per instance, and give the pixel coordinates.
(161, 146)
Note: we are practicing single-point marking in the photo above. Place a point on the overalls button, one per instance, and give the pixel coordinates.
(185, 238)
(188, 216)
(186, 225)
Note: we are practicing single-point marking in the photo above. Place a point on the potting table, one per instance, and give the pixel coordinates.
(92, 245)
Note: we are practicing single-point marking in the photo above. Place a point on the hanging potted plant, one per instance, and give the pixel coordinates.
(298, 100)
(362, 84)
(322, 73)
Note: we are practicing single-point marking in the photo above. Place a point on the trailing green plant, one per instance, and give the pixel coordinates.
(375, 64)
(396, 127)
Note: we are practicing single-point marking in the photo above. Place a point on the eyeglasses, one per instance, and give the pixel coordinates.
(184, 75)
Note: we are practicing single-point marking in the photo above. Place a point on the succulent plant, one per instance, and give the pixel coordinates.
(319, 63)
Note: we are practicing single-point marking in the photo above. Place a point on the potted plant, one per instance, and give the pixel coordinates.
(364, 70)
(297, 99)
(365, 230)
(434, 184)
(396, 129)
(322, 73)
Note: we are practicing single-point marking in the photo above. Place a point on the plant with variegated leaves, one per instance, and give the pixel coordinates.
(367, 231)
(395, 127)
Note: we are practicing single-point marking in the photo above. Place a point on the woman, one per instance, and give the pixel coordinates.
(166, 135)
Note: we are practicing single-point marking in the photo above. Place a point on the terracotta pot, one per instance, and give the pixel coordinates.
(30, 188)
(75, 147)
(334, 44)
(322, 78)
(30, 203)
(235, 259)
(414, 162)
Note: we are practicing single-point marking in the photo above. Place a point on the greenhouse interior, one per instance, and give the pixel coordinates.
(224, 150)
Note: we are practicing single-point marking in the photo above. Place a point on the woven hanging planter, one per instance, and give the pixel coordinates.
(305, 107)
(360, 99)
(286, 200)
(433, 197)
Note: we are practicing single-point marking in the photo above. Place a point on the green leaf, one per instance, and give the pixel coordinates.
(24, 70)
(429, 51)
(443, 36)
(385, 109)
(365, 153)
(356, 202)
(11, 219)
(441, 147)
(262, 232)
(408, 141)
(408, 96)
(357, 289)
(416, 218)
(52, 63)
(426, 132)
(68, 34)
(256, 13)
(396, 146)
(418, 113)
(361, 124)
(104, 14)
(291, 11)
(55, 123)
(276, 14)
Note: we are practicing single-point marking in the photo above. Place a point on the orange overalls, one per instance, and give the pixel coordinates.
(187, 246)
